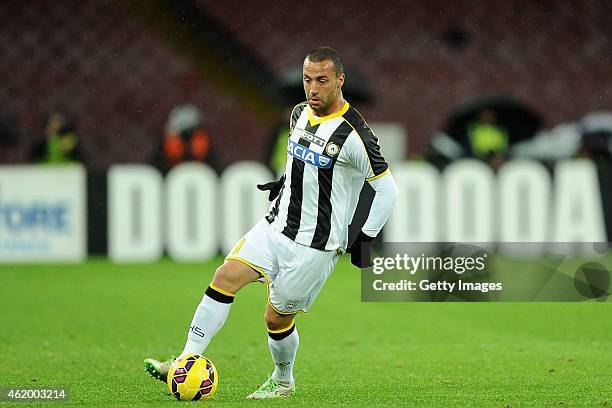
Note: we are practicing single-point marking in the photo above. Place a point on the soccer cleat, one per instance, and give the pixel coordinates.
(271, 389)
(158, 369)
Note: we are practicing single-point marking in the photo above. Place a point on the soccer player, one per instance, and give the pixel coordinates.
(294, 248)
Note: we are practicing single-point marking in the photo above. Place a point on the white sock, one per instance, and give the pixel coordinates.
(283, 354)
(208, 319)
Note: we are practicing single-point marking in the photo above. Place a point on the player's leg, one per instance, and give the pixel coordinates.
(251, 259)
(302, 271)
(283, 341)
(211, 313)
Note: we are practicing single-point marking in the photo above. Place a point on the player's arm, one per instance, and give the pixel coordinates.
(386, 194)
(366, 157)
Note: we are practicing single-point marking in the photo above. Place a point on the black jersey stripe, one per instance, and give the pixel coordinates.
(294, 211)
(323, 226)
(369, 139)
(325, 177)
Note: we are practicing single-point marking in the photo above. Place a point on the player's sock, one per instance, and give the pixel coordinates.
(208, 319)
(283, 346)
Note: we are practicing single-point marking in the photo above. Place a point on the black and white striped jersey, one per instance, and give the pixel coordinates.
(328, 159)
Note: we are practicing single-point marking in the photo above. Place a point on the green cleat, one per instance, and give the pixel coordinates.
(158, 369)
(271, 389)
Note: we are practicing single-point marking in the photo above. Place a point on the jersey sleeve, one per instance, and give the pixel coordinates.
(378, 175)
(366, 157)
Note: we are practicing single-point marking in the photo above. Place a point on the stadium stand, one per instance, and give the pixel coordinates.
(536, 51)
(113, 75)
(117, 78)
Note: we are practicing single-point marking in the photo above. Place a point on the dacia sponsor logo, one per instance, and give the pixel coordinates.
(310, 137)
(308, 156)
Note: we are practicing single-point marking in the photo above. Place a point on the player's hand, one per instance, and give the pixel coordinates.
(361, 250)
(274, 187)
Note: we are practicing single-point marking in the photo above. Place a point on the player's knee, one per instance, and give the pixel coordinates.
(276, 321)
(228, 279)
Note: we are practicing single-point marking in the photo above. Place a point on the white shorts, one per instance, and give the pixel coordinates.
(295, 273)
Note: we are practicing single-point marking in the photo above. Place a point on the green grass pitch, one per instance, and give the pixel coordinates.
(88, 327)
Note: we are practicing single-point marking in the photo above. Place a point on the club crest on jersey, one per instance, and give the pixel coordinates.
(332, 149)
(291, 304)
(308, 156)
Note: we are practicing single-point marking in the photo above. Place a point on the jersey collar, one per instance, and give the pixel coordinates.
(316, 120)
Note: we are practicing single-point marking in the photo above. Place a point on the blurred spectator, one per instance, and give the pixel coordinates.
(59, 144)
(486, 129)
(486, 135)
(279, 137)
(184, 140)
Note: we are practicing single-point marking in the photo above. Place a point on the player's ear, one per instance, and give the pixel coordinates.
(340, 80)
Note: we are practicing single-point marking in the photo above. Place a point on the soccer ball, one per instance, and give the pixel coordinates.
(193, 377)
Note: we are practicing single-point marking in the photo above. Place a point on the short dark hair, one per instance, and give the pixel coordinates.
(327, 53)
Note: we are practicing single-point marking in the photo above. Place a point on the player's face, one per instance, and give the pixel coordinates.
(321, 85)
